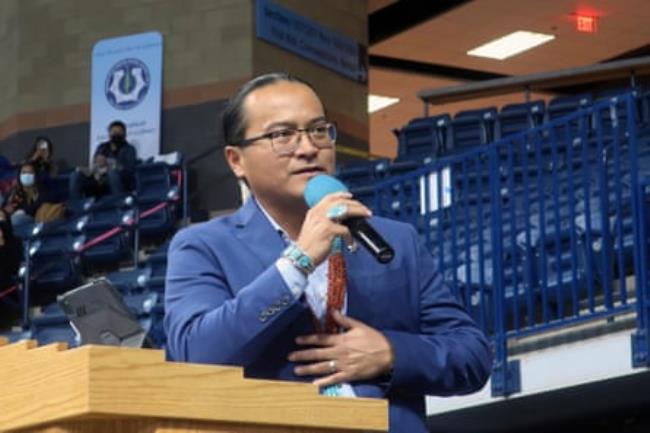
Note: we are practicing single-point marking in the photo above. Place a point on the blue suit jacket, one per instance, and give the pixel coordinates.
(226, 303)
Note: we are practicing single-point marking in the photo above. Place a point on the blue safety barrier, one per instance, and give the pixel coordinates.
(537, 230)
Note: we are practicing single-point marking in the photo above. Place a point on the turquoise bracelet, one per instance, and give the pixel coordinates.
(299, 259)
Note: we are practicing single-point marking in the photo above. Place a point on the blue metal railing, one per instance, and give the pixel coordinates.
(131, 223)
(641, 339)
(535, 231)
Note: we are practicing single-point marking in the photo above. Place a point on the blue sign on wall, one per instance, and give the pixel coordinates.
(286, 29)
(126, 85)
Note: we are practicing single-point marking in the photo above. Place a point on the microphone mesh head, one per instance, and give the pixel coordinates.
(320, 186)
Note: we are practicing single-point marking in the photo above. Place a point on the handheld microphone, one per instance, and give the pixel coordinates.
(322, 185)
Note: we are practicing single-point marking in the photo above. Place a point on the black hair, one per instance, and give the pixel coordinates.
(233, 119)
(117, 123)
(37, 140)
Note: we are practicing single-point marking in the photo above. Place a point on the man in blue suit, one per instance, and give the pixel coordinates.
(248, 289)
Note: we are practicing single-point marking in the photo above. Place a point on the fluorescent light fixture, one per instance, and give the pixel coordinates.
(377, 102)
(510, 45)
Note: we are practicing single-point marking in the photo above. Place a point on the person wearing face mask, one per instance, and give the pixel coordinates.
(26, 196)
(113, 167)
(120, 156)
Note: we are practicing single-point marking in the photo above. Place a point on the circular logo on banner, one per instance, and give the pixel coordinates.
(127, 84)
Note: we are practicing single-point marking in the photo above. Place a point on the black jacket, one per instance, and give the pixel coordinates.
(124, 154)
(11, 254)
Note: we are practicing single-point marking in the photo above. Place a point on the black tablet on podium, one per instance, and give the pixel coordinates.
(98, 315)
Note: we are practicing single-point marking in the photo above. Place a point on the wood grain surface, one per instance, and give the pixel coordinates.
(109, 389)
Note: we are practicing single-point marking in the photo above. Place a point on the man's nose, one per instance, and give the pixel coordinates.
(305, 146)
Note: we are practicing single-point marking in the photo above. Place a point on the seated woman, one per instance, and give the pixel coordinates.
(26, 197)
(42, 158)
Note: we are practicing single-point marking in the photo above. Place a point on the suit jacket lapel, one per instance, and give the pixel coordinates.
(257, 234)
(357, 261)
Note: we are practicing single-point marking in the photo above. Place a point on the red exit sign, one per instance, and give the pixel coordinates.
(586, 23)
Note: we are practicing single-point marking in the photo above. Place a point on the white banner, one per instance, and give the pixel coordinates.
(126, 85)
(439, 192)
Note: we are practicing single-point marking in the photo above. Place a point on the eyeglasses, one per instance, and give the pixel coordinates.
(285, 141)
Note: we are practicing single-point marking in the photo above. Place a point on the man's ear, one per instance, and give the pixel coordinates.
(235, 159)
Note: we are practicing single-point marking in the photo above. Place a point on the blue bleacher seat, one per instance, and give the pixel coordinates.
(472, 128)
(152, 182)
(107, 218)
(124, 200)
(424, 138)
(111, 250)
(564, 105)
(52, 328)
(141, 304)
(58, 242)
(158, 268)
(24, 231)
(130, 281)
(156, 223)
(153, 187)
(514, 118)
(54, 267)
(14, 336)
(357, 173)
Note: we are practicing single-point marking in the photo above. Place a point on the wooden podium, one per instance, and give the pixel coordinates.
(101, 389)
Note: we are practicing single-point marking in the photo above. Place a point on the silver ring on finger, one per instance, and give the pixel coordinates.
(332, 366)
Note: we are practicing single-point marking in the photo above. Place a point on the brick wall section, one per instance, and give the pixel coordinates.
(8, 57)
(204, 41)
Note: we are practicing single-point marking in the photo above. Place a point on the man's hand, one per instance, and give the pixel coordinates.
(318, 231)
(361, 352)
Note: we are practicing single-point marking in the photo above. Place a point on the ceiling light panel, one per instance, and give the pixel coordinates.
(377, 102)
(511, 45)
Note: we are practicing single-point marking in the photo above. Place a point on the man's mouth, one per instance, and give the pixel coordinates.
(309, 170)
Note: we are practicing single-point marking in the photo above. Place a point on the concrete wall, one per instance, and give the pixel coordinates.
(209, 50)
(345, 100)
(57, 36)
(8, 58)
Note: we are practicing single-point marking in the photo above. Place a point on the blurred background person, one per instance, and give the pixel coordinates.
(26, 197)
(91, 181)
(121, 158)
(42, 158)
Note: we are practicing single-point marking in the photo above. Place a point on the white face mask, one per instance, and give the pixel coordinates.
(27, 179)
